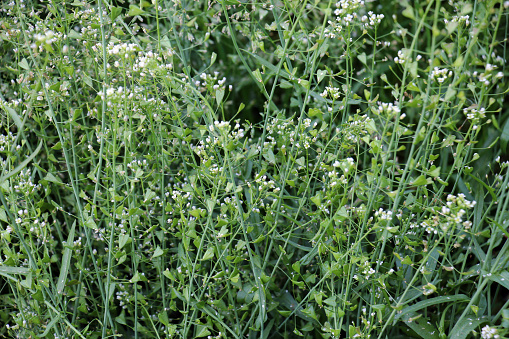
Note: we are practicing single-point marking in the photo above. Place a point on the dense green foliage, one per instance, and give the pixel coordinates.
(233, 169)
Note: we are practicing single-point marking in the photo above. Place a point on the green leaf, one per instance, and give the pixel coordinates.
(73, 34)
(449, 94)
(258, 75)
(158, 252)
(90, 223)
(421, 326)
(87, 80)
(304, 83)
(241, 107)
(210, 205)
(317, 199)
(15, 117)
(165, 42)
(315, 112)
(202, 331)
(122, 240)
(66, 261)
(111, 290)
(24, 64)
(209, 254)
(504, 137)
(115, 12)
(430, 302)
(22, 165)
(51, 178)
(434, 171)
(136, 277)
(219, 96)
(296, 266)
(501, 278)
(465, 326)
(149, 195)
(362, 58)
(14, 270)
(3, 215)
(421, 180)
(121, 318)
(320, 75)
(270, 156)
(49, 326)
(134, 10)
(341, 214)
(163, 318)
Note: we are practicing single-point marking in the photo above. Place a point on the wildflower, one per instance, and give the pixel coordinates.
(488, 332)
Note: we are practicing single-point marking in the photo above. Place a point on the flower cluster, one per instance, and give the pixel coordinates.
(388, 109)
(332, 92)
(371, 20)
(211, 82)
(488, 76)
(358, 128)
(6, 141)
(474, 114)
(459, 19)
(488, 332)
(402, 57)
(381, 214)
(440, 74)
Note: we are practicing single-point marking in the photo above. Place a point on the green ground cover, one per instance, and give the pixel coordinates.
(242, 169)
